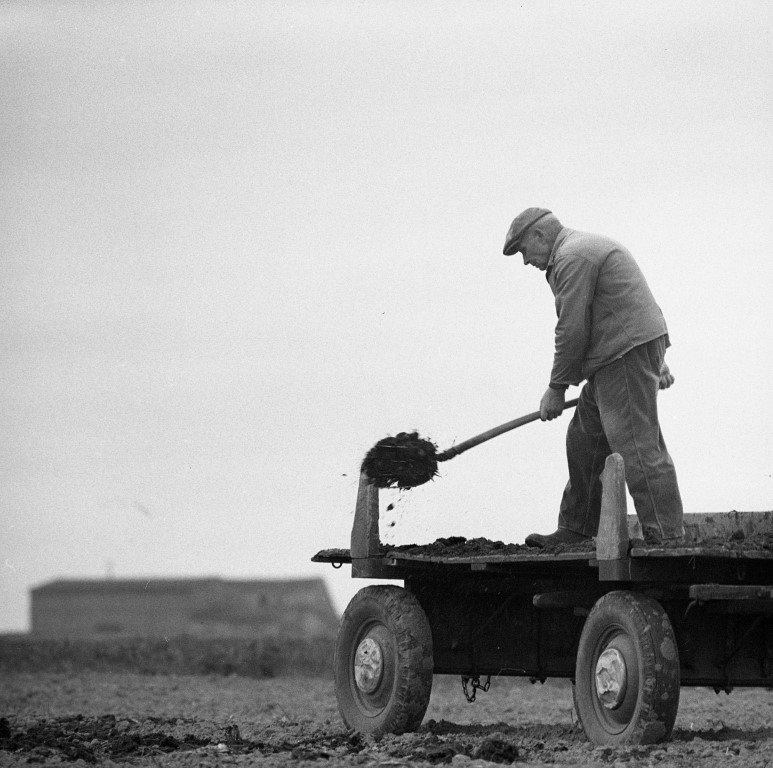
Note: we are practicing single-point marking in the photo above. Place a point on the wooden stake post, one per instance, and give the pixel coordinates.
(612, 537)
(365, 542)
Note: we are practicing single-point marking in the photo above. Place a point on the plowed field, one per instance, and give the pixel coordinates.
(101, 718)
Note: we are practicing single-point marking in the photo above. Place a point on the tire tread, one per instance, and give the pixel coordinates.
(659, 698)
(414, 667)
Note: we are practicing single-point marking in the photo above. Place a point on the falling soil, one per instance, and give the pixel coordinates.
(403, 461)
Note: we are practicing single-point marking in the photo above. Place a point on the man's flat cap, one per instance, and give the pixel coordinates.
(520, 224)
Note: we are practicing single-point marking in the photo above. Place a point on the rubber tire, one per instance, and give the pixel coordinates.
(394, 616)
(640, 626)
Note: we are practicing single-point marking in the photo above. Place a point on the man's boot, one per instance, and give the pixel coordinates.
(561, 536)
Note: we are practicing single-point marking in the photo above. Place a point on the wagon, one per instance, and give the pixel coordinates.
(628, 624)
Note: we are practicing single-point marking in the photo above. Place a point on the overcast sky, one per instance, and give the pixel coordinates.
(243, 241)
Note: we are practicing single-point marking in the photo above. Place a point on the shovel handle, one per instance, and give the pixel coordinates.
(494, 432)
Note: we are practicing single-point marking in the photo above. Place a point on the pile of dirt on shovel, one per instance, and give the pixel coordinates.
(402, 461)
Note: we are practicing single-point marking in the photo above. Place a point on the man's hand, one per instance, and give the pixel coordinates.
(552, 404)
(666, 379)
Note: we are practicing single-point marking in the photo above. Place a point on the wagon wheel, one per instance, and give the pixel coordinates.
(627, 676)
(383, 661)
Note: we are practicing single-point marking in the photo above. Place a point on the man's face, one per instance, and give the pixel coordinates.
(535, 249)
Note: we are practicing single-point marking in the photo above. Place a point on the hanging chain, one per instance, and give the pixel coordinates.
(475, 686)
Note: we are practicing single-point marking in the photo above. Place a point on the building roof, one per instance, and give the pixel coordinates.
(176, 586)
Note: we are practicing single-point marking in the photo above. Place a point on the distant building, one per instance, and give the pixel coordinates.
(165, 607)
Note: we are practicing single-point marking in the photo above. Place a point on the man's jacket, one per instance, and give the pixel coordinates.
(604, 305)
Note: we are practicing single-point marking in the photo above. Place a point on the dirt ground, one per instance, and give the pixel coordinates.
(100, 718)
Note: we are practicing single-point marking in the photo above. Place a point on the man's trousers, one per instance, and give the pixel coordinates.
(617, 413)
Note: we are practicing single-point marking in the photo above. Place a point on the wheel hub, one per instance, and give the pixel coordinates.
(368, 665)
(611, 678)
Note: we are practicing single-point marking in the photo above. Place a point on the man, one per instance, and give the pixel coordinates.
(611, 333)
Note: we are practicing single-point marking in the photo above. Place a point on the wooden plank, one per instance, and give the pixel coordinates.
(332, 556)
(699, 526)
(688, 552)
(612, 538)
(706, 592)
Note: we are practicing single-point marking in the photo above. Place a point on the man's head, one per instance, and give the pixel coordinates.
(533, 233)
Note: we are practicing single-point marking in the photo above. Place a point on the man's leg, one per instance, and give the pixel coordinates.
(626, 394)
(586, 451)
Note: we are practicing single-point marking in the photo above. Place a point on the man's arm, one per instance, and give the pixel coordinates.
(575, 284)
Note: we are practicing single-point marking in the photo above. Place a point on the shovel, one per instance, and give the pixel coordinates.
(455, 450)
(406, 460)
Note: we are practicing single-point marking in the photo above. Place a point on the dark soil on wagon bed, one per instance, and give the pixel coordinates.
(459, 546)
